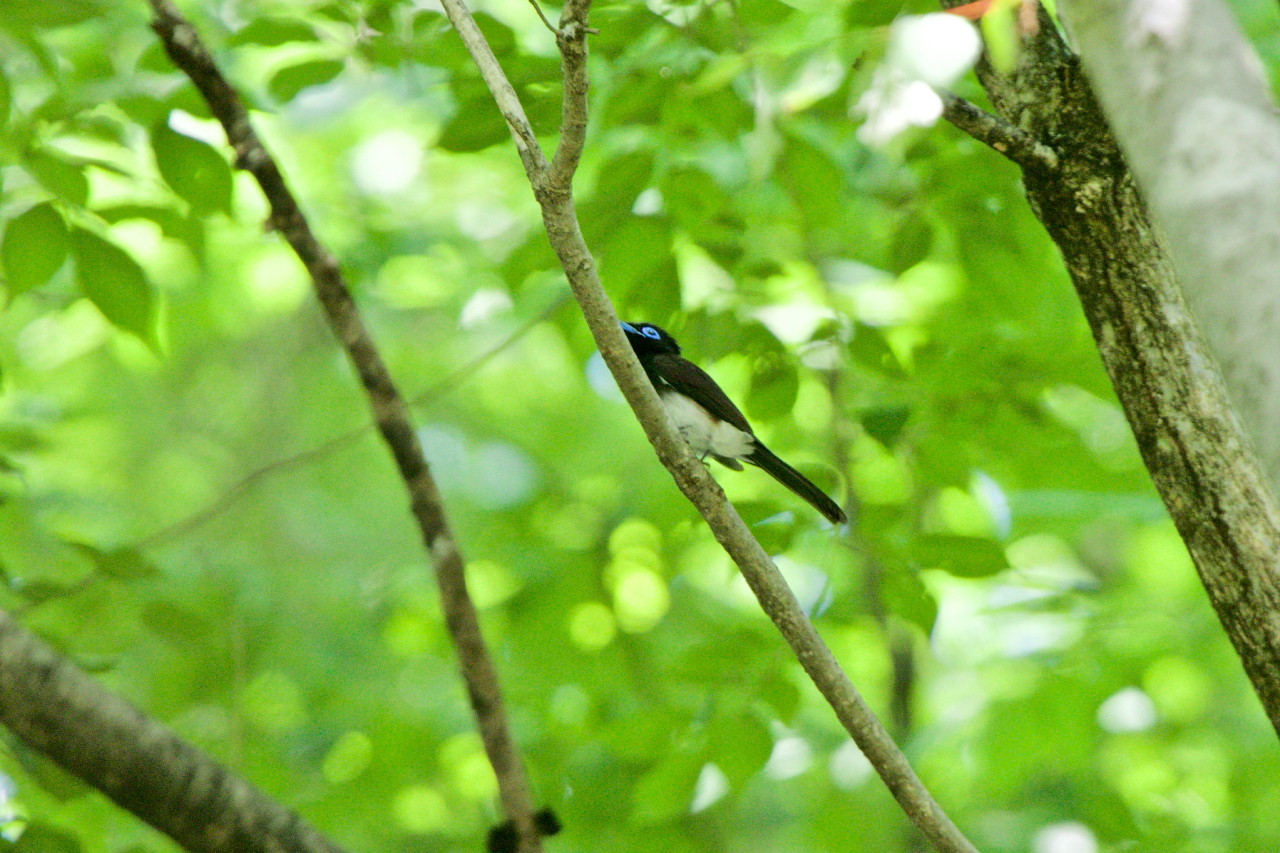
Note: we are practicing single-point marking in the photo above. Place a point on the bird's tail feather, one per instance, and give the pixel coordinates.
(767, 460)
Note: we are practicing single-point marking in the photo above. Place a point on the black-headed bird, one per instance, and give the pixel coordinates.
(709, 421)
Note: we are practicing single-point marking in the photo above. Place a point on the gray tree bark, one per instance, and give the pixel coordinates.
(140, 764)
(1164, 376)
(1185, 96)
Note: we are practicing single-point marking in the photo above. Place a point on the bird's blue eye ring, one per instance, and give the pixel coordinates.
(651, 332)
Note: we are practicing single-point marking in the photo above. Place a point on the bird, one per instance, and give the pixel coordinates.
(709, 421)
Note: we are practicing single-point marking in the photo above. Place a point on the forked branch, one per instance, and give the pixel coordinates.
(552, 186)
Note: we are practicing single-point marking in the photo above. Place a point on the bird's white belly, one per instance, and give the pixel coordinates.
(704, 433)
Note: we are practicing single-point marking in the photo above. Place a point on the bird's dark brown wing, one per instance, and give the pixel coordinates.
(692, 381)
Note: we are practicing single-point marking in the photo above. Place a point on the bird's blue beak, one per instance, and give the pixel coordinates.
(627, 327)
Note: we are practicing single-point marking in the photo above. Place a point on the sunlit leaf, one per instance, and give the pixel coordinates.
(774, 385)
(1000, 33)
(114, 282)
(286, 83)
(194, 170)
(35, 246)
(270, 31)
(740, 745)
(908, 599)
(665, 792)
(869, 348)
(61, 177)
(963, 556)
(41, 837)
(29, 16)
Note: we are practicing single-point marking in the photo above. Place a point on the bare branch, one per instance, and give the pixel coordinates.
(390, 413)
(542, 15)
(571, 38)
(696, 483)
(1003, 137)
(504, 95)
(140, 764)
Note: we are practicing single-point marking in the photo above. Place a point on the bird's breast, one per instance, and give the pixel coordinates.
(705, 433)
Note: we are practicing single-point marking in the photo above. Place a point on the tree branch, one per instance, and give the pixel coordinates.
(1002, 136)
(182, 44)
(691, 475)
(572, 42)
(140, 764)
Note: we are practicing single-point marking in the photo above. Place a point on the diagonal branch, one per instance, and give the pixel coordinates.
(1003, 137)
(390, 413)
(137, 762)
(771, 590)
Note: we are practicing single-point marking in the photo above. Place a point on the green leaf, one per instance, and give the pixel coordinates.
(740, 745)
(270, 31)
(43, 838)
(194, 170)
(288, 82)
(869, 348)
(52, 779)
(6, 98)
(475, 125)
(773, 528)
(35, 246)
(909, 599)
(114, 282)
(911, 243)
(873, 13)
(34, 15)
(885, 423)
(1000, 33)
(64, 179)
(815, 182)
(124, 564)
(774, 385)
(665, 792)
(174, 623)
(501, 38)
(38, 591)
(962, 556)
(621, 26)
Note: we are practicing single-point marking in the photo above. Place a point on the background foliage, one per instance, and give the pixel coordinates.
(895, 322)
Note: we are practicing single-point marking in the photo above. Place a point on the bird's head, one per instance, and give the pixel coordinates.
(647, 340)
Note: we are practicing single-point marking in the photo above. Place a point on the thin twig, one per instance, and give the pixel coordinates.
(232, 494)
(1003, 137)
(691, 476)
(537, 8)
(390, 413)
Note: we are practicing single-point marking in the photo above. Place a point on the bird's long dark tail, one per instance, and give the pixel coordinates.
(766, 459)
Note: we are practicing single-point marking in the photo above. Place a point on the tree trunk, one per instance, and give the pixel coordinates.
(1166, 380)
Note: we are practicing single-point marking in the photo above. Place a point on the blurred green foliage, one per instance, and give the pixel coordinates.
(896, 323)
